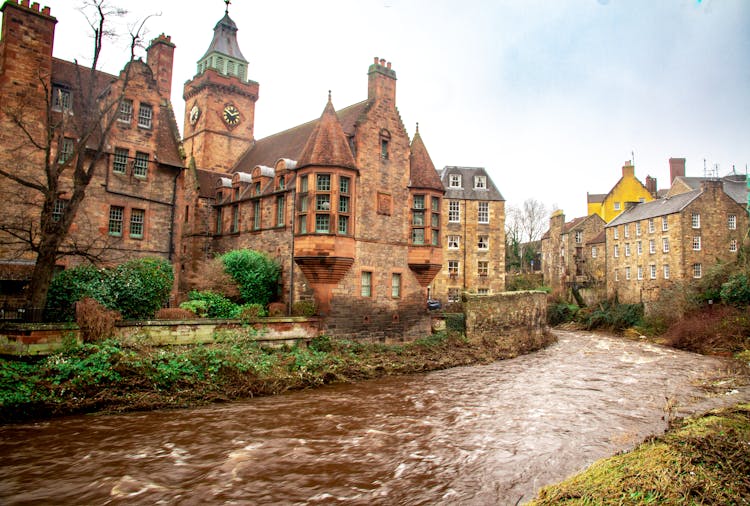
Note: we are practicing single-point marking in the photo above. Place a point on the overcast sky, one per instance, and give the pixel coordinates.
(551, 97)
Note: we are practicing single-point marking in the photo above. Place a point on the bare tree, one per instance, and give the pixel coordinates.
(57, 153)
(524, 225)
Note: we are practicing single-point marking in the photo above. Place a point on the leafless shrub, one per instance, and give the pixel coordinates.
(95, 321)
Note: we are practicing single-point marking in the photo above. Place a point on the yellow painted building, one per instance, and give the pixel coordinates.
(627, 190)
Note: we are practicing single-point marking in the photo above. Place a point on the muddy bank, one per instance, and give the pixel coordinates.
(110, 377)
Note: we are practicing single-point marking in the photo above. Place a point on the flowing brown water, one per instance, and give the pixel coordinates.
(489, 434)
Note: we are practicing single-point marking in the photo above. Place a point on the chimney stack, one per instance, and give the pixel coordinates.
(160, 57)
(651, 185)
(676, 169)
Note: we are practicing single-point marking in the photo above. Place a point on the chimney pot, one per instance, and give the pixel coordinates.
(35, 6)
(389, 65)
(382, 61)
(376, 60)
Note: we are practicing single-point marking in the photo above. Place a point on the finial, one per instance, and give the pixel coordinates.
(329, 95)
(417, 127)
(226, 10)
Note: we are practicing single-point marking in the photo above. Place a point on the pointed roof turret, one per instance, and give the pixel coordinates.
(327, 144)
(422, 173)
(224, 53)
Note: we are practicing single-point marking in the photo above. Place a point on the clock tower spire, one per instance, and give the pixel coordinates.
(220, 102)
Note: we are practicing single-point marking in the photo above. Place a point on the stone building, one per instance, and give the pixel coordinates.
(627, 190)
(348, 204)
(571, 252)
(133, 195)
(473, 238)
(652, 245)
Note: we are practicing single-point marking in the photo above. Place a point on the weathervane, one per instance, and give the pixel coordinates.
(226, 11)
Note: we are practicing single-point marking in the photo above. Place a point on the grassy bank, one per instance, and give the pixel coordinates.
(701, 460)
(109, 376)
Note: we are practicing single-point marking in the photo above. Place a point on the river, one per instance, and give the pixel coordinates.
(489, 434)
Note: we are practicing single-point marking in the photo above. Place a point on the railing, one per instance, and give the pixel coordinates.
(21, 313)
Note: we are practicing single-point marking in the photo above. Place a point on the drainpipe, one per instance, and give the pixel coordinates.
(291, 253)
(171, 221)
(466, 241)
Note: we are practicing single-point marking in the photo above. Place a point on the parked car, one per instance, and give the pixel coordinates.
(433, 304)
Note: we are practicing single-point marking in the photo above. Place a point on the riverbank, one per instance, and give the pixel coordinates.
(109, 376)
(700, 460)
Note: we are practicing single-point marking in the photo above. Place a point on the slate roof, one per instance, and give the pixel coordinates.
(225, 39)
(734, 185)
(206, 180)
(290, 143)
(599, 238)
(595, 198)
(422, 173)
(468, 192)
(327, 145)
(659, 207)
(65, 73)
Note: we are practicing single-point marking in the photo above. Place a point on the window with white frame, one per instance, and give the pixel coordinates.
(453, 268)
(695, 220)
(616, 233)
(454, 241)
(480, 182)
(395, 285)
(483, 242)
(483, 212)
(140, 166)
(58, 207)
(579, 236)
(651, 246)
(697, 243)
(652, 271)
(61, 98)
(454, 295)
(66, 150)
(640, 272)
(732, 221)
(454, 181)
(366, 284)
(664, 224)
(115, 220)
(617, 206)
(697, 270)
(145, 116)
(483, 291)
(627, 230)
(126, 111)
(666, 271)
(638, 228)
(627, 273)
(638, 247)
(617, 274)
(454, 211)
(651, 226)
(627, 249)
(483, 268)
(733, 245)
(665, 244)
(137, 219)
(617, 250)
(593, 251)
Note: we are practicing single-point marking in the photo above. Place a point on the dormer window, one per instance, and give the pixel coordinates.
(455, 181)
(480, 182)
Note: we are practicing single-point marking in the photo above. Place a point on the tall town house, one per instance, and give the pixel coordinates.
(473, 235)
(652, 245)
(130, 202)
(348, 204)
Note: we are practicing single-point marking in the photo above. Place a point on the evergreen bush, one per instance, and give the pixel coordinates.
(736, 291)
(256, 275)
(140, 287)
(71, 285)
(208, 304)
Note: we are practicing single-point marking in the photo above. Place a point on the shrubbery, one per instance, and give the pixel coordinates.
(207, 304)
(137, 288)
(256, 275)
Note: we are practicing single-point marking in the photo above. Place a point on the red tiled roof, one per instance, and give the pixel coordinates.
(327, 144)
(598, 238)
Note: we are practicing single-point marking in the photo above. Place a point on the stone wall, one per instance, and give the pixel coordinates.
(43, 339)
(517, 319)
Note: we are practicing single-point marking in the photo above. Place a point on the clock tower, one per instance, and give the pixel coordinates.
(220, 103)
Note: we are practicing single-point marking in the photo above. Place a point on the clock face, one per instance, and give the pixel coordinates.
(195, 113)
(231, 115)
